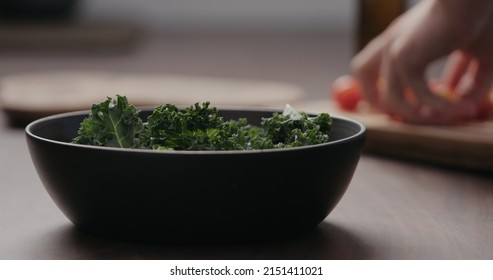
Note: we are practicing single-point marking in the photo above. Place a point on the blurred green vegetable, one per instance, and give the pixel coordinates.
(115, 123)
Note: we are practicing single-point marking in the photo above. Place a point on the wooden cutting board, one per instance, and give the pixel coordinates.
(25, 97)
(468, 146)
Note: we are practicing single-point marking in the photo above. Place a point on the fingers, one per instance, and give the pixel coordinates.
(393, 95)
(365, 67)
(455, 68)
(403, 102)
(408, 95)
(401, 56)
(478, 89)
(472, 80)
(435, 107)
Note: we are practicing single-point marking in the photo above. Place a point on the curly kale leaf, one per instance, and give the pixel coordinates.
(197, 127)
(292, 129)
(112, 123)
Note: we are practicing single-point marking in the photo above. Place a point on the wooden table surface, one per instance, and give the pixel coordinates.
(392, 210)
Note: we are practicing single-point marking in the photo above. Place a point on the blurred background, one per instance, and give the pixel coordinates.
(307, 43)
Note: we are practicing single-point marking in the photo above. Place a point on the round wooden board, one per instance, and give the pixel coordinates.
(28, 96)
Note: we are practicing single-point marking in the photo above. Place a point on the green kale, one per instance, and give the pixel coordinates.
(112, 123)
(199, 127)
(294, 129)
(291, 129)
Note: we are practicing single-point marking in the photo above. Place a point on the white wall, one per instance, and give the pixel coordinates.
(225, 14)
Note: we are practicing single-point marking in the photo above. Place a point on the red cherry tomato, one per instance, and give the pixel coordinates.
(346, 91)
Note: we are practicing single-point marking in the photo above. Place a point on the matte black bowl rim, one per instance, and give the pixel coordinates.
(31, 125)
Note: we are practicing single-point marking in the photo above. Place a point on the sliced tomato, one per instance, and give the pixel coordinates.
(346, 91)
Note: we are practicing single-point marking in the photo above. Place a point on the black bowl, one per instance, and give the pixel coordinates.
(193, 196)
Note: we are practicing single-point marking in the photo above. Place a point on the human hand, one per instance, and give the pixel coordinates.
(392, 68)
